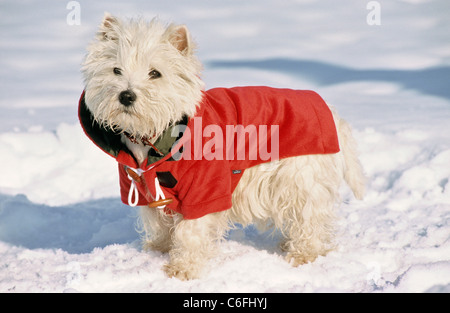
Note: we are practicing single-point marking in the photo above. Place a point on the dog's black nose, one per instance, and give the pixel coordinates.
(127, 97)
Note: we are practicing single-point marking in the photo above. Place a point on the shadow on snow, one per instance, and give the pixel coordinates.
(81, 227)
(433, 81)
(76, 228)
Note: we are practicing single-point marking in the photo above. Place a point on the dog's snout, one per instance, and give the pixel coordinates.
(127, 97)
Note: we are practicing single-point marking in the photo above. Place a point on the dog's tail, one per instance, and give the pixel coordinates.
(353, 171)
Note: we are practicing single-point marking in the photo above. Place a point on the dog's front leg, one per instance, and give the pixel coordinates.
(193, 244)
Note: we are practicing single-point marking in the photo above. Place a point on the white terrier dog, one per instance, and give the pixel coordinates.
(144, 104)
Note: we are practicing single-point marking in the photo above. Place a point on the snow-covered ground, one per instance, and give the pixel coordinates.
(63, 227)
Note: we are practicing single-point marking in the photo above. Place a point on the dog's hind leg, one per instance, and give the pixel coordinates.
(309, 232)
(308, 200)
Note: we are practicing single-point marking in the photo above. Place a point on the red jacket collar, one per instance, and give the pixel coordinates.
(110, 142)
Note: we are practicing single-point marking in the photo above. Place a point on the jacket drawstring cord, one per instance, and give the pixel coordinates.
(133, 191)
(134, 175)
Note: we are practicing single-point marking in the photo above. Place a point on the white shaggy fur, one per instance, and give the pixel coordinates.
(136, 48)
(296, 195)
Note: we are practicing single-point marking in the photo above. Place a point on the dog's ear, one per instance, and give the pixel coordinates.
(108, 26)
(180, 38)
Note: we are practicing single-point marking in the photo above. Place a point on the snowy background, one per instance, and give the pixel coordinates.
(64, 229)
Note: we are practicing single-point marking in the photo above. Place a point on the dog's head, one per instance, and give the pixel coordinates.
(140, 77)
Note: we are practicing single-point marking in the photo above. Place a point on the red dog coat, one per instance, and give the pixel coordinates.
(234, 129)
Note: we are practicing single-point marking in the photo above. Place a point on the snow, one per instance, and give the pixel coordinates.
(64, 229)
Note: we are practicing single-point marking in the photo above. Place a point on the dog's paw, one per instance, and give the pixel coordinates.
(296, 259)
(180, 272)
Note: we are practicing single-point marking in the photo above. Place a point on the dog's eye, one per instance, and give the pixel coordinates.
(117, 71)
(153, 74)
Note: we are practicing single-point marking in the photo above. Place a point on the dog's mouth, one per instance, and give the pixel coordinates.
(115, 119)
(128, 111)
